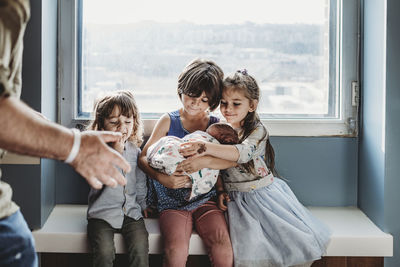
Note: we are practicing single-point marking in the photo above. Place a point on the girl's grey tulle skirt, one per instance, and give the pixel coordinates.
(270, 227)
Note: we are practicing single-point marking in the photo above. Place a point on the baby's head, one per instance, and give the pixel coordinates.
(224, 133)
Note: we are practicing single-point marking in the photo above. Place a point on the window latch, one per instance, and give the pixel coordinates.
(355, 94)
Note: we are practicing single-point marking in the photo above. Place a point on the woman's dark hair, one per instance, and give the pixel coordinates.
(125, 101)
(202, 76)
(242, 82)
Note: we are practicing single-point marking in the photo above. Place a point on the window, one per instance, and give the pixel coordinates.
(302, 53)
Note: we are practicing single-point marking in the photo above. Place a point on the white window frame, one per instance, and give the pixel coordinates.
(347, 78)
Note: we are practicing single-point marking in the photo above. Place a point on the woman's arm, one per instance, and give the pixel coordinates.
(176, 180)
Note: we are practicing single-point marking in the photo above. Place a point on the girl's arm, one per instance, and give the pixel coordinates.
(240, 153)
(176, 180)
(191, 165)
(195, 149)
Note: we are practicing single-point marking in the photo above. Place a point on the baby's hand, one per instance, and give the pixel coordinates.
(223, 199)
(193, 149)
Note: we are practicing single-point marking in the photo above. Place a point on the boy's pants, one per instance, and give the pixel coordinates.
(101, 237)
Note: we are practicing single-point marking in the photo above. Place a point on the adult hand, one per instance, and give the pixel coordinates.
(118, 145)
(193, 149)
(97, 162)
(177, 180)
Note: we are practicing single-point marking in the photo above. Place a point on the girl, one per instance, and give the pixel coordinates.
(268, 225)
(119, 209)
(199, 89)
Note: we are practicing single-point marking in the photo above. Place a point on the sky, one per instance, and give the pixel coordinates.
(205, 11)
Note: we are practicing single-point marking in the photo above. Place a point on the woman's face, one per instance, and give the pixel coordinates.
(117, 122)
(195, 105)
(235, 106)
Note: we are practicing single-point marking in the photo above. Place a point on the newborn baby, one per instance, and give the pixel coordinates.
(164, 155)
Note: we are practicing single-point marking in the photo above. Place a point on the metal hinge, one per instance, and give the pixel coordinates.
(355, 94)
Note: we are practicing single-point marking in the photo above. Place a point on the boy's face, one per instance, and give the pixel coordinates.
(117, 122)
(195, 105)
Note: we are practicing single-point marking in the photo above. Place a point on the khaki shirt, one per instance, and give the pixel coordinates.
(14, 15)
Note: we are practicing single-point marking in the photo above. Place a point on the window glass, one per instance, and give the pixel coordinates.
(289, 46)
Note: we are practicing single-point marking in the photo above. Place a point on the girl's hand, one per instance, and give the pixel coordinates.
(193, 149)
(176, 180)
(223, 199)
(191, 165)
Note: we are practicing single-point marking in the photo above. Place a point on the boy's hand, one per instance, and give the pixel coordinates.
(223, 199)
(149, 213)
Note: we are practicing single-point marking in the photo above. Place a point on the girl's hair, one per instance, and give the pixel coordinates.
(125, 101)
(202, 75)
(242, 82)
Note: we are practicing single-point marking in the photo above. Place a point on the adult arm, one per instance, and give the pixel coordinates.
(176, 180)
(22, 131)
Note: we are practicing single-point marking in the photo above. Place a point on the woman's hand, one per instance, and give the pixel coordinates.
(193, 149)
(176, 180)
(223, 199)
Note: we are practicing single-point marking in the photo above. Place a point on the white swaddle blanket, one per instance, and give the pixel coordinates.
(164, 156)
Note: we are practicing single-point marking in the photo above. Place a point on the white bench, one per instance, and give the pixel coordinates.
(353, 234)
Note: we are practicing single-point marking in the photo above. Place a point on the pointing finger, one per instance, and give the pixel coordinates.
(95, 183)
(110, 136)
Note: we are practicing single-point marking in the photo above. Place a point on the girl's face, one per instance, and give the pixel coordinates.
(235, 106)
(117, 122)
(195, 105)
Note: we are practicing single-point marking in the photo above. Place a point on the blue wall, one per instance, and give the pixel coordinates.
(371, 165)
(379, 166)
(48, 91)
(392, 144)
(34, 185)
(322, 171)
